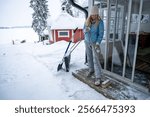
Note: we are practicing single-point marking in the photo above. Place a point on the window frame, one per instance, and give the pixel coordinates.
(59, 35)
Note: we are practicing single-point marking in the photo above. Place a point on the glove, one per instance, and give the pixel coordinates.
(87, 29)
(97, 46)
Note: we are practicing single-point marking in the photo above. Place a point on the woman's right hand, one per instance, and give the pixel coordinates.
(87, 29)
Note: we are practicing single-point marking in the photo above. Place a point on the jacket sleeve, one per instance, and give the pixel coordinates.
(84, 30)
(100, 31)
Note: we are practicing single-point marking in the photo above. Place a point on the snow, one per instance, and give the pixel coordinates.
(17, 34)
(66, 21)
(29, 71)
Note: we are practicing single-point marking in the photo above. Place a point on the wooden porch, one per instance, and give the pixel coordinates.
(116, 90)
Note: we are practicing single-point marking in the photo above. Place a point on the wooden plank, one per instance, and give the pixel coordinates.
(146, 60)
(91, 84)
(115, 90)
(143, 63)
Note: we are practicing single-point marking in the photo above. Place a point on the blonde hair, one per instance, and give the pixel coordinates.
(88, 22)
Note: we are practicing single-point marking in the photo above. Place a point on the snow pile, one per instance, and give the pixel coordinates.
(29, 71)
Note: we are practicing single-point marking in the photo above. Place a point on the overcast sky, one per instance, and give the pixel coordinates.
(18, 12)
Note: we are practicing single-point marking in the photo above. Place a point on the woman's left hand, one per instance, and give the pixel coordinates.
(97, 46)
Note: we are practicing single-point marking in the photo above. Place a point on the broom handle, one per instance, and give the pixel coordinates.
(71, 40)
(74, 47)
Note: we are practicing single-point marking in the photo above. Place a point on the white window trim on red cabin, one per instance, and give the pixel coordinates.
(72, 36)
(63, 35)
(54, 36)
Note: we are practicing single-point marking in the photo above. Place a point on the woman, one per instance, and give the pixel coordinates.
(93, 32)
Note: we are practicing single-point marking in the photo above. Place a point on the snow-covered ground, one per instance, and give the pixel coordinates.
(29, 71)
(17, 34)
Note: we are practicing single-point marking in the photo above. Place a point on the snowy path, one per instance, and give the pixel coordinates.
(28, 71)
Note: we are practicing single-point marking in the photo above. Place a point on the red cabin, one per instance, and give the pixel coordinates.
(62, 28)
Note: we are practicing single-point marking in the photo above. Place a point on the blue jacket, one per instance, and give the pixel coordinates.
(95, 34)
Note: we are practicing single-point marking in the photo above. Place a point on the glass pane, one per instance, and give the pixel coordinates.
(142, 67)
(123, 40)
(116, 48)
(131, 41)
(63, 33)
(141, 38)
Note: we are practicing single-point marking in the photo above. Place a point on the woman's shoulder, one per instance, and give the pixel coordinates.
(101, 23)
(100, 20)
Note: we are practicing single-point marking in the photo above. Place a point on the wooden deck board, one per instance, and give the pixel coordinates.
(116, 90)
(143, 63)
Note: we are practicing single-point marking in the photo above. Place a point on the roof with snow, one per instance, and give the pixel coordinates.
(66, 21)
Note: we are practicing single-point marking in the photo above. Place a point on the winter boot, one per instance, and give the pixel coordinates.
(97, 81)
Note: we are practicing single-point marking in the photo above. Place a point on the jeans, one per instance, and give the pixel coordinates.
(93, 60)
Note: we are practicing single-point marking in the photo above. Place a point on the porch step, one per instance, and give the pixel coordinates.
(113, 89)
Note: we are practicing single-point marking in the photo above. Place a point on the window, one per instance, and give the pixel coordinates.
(63, 33)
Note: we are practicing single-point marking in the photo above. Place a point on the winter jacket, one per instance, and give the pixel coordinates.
(95, 34)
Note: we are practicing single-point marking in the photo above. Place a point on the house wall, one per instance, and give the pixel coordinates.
(144, 27)
(146, 10)
(64, 38)
(77, 36)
